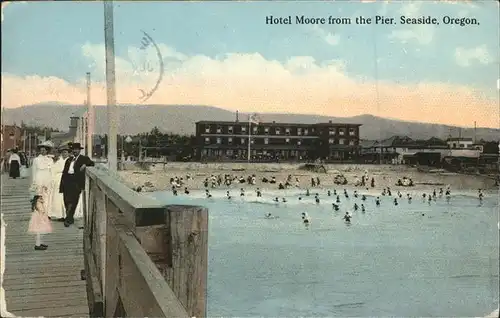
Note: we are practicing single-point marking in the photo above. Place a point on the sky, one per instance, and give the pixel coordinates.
(224, 54)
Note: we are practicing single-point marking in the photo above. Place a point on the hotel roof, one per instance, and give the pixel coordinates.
(276, 123)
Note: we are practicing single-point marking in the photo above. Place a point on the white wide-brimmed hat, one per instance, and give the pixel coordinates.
(46, 144)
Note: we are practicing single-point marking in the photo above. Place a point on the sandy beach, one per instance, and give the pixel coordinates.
(158, 176)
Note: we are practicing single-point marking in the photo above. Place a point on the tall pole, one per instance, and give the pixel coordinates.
(29, 144)
(475, 132)
(140, 148)
(84, 132)
(24, 141)
(249, 138)
(123, 153)
(110, 86)
(90, 119)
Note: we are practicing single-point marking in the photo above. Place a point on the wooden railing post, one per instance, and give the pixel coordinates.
(142, 258)
(186, 240)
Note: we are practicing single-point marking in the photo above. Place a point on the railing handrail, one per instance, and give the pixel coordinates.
(141, 210)
(135, 246)
(121, 194)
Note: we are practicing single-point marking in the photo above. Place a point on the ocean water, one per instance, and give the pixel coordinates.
(390, 261)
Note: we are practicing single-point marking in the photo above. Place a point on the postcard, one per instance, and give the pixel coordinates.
(250, 158)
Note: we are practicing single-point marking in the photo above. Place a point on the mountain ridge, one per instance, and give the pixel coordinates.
(181, 119)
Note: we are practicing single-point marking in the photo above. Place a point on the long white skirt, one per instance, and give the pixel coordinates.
(79, 208)
(57, 209)
(23, 172)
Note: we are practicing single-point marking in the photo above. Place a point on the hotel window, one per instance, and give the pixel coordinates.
(341, 131)
(229, 152)
(266, 141)
(207, 129)
(287, 131)
(331, 131)
(207, 140)
(243, 129)
(230, 129)
(352, 132)
(331, 141)
(278, 131)
(255, 129)
(341, 142)
(219, 130)
(229, 141)
(299, 131)
(242, 141)
(219, 141)
(266, 130)
(352, 143)
(306, 131)
(287, 140)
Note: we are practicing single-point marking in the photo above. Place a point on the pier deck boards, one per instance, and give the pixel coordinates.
(40, 283)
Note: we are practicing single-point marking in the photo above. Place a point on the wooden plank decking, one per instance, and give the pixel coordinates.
(40, 283)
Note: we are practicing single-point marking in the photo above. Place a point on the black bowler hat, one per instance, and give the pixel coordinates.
(75, 146)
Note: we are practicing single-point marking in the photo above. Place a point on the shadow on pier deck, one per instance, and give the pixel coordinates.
(135, 257)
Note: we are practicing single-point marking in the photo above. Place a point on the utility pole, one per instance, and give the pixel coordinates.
(249, 138)
(29, 144)
(24, 140)
(475, 127)
(140, 148)
(84, 132)
(90, 120)
(110, 86)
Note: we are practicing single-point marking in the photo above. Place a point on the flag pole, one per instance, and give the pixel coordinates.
(249, 138)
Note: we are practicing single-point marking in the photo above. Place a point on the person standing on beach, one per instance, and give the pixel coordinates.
(73, 181)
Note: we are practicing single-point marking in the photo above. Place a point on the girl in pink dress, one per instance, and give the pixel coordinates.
(39, 223)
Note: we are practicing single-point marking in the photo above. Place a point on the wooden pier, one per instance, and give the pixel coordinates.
(135, 257)
(40, 283)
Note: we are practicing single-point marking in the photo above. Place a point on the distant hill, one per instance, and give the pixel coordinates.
(181, 118)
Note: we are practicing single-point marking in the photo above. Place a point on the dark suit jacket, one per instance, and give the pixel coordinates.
(77, 181)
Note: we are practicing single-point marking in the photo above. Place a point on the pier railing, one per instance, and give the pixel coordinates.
(142, 258)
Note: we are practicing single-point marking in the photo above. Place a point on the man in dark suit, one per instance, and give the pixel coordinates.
(73, 181)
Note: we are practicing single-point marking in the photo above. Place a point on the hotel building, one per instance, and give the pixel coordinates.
(272, 141)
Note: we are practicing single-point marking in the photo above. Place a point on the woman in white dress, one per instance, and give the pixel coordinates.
(79, 208)
(57, 210)
(41, 175)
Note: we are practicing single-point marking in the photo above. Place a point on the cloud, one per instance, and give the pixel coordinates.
(328, 37)
(422, 34)
(252, 83)
(465, 57)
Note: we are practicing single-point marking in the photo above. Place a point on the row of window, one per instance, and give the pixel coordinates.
(278, 131)
(243, 141)
(455, 146)
(231, 152)
(283, 153)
